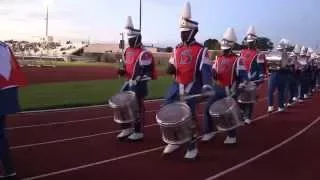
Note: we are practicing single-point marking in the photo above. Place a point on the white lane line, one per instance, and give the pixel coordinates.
(266, 152)
(94, 164)
(76, 121)
(95, 135)
(61, 123)
(71, 139)
(112, 159)
(77, 108)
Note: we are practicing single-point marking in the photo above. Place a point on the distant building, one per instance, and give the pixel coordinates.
(102, 48)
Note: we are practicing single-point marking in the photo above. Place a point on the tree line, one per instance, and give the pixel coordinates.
(263, 44)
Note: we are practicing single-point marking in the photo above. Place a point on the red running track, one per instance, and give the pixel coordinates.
(74, 145)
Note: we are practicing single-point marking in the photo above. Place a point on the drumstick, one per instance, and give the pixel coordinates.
(126, 83)
(211, 93)
(130, 82)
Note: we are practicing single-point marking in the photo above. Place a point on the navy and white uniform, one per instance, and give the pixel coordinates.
(11, 78)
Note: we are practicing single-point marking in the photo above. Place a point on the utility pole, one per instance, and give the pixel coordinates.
(46, 40)
(122, 46)
(47, 20)
(140, 13)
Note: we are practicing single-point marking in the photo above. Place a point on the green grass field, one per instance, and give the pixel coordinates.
(59, 95)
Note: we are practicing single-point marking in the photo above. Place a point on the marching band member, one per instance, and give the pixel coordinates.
(229, 73)
(278, 79)
(303, 69)
(317, 67)
(313, 64)
(254, 63)
(317, 70)
(292, 85)
(191, 68)
(11, 78)
(310, 72)
(314, 57)
(139, 64)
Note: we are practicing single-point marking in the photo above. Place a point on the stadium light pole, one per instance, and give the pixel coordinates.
(47, 3)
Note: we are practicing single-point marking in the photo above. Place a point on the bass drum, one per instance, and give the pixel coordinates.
(175, 122)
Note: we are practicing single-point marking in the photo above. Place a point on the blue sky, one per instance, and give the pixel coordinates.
(103, 20)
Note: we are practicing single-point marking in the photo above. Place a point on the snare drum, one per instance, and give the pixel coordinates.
(175, 122)
(248, 94)
(226, 114)
(125, 107)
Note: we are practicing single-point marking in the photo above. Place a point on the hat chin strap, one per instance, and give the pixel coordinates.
(135, 42)
(190, 35)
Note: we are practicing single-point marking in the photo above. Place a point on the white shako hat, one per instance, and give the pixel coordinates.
(303, 51)
(296, 49)
(131, 31)
(229, 39)
(283, 44)
(251, 34)
(186, 23)
(310, 51)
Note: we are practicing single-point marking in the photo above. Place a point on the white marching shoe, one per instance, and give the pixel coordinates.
(290, 104)
(295, 99)
(280, 109)
(191, 154)
(136, 136)
(247, 121)
(208, 136)
(125, 132)
(270, 108)
(305, 96)
(170, 148)
(230, 140)
(8, 176)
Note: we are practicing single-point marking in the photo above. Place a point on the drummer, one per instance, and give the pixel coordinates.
(229, 73)
(191, 68)
(254, 63)
(139, 65)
